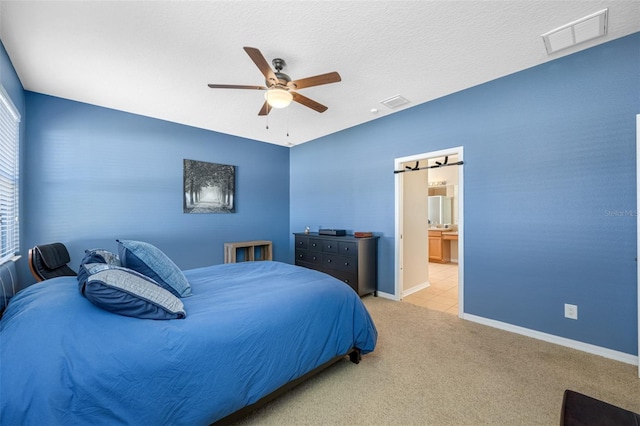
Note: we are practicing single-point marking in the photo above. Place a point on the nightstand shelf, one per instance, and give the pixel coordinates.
(252, 250)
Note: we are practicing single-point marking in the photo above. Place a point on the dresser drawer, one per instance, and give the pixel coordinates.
(302, 242)
(315, 244)
(307, 256)
(329, 246)
(340, 263)
(347, 248)
(347, 278)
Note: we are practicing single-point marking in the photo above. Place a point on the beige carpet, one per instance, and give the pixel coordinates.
(432, 368)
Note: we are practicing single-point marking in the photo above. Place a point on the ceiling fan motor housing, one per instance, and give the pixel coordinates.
(278, 64)
(283, 78)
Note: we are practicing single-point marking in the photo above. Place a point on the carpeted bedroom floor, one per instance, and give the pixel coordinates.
(432, 368)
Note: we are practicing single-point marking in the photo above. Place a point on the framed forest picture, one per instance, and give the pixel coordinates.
(208, 187)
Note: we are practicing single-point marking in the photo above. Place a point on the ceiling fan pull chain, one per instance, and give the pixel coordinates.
(267, 116)
(287, 122)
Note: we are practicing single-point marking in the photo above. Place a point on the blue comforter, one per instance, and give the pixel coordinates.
(250, 328)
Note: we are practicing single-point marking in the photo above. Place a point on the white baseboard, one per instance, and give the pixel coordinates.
(412, 290)
(416, 288)
(574, 344)
(387, 295)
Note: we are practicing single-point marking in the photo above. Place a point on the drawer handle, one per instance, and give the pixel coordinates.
(346, 281)
(346, 249)
(346, 263)
(314, 258)
(314, 244)
(329, 246)
(300, 256)
(328, 260)
(300, 243)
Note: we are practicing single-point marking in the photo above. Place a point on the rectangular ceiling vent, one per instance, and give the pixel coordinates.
(576, 32)
(394, 102)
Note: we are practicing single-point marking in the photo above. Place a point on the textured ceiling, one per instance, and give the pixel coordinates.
(155, 58)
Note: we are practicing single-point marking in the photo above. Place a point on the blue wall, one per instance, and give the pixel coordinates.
(95, 175)
(550, 191)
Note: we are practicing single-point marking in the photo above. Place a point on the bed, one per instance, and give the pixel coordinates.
(250, 329)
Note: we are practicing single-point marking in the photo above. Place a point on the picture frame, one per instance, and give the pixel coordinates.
(208, 187)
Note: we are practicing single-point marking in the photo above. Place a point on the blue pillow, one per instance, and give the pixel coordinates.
(88, 269)
(95, 256)
(129, 293)
(152, 262)
(101, 256)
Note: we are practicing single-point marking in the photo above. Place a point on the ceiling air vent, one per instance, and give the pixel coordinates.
(587, 28)
(394, 102)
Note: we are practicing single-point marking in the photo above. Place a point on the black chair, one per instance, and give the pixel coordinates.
(8, 284)
(50, 261)
(583, 410)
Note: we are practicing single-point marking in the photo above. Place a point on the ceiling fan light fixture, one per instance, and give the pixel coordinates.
(278, 98)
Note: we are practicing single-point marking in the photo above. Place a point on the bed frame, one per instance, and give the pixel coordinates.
(354, 356)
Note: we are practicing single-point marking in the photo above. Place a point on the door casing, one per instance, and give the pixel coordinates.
(398, 164)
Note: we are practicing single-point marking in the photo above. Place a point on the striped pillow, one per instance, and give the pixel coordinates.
(125, 292)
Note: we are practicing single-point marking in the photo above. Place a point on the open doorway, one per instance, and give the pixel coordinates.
(430, 231)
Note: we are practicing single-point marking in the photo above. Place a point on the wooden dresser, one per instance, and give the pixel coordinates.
(349, 259)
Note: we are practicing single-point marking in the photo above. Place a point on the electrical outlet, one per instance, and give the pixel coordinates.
(571, 311)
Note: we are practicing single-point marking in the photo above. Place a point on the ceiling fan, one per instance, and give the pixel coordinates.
(281, 90)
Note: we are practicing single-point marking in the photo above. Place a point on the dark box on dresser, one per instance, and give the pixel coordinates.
(333, 232)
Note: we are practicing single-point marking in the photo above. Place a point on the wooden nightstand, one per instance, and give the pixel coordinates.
(250, 248)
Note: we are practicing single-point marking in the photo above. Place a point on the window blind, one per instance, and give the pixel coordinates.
(9, 177)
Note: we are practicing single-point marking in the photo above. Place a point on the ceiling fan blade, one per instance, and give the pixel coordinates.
(308, 102)
(262, 64)
(266, 109)
(235, 86)
(331, 77)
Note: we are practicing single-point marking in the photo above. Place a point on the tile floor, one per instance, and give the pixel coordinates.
(442, 295)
